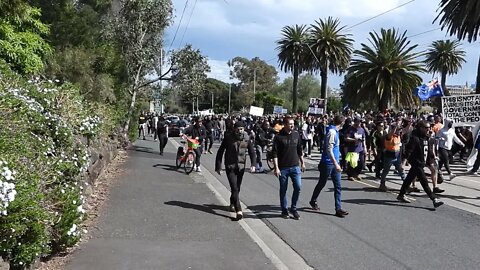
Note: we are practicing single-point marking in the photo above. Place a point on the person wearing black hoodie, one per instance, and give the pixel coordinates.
(235, 145)
(416, 153)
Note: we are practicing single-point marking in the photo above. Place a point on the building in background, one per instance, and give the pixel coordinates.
(458, 90)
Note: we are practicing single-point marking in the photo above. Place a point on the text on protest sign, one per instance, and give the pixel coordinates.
(462, 110)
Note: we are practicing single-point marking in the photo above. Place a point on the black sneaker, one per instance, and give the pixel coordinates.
(402, 198)
(413, 189)
(437, 203)
(239, 215)
(314, 206)
(341, 213)
(285, 215)
(295, 214)
(437, 190)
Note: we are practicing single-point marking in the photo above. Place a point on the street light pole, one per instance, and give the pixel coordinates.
(212, 100)
(229, 97)
(254, 82)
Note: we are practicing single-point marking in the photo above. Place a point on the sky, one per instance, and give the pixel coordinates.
(224, 29)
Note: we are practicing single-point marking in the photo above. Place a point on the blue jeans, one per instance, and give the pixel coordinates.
(295, 174)
(326, 171)
(388, 161)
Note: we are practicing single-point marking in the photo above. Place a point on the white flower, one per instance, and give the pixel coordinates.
(74, 202)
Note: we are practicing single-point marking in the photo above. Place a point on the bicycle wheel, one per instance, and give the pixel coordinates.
(179, 158)
(189, 162)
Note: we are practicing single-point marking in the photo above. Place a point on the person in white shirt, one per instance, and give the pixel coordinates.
(307, 136)
(445, 137)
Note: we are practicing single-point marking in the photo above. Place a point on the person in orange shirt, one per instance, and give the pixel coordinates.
(438, 124)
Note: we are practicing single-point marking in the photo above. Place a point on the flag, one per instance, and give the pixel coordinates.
(431, 89)
(473, 155)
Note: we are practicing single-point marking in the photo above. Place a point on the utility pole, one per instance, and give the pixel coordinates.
(254, 82)
(212, 99)
(229, 97)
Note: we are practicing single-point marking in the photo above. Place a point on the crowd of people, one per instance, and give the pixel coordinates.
(349, 143)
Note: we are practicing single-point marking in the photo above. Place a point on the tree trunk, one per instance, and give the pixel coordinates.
(323, 85)
(443, 83)
(131, 109)
(295, 90)
(383, 104)
(477, 86)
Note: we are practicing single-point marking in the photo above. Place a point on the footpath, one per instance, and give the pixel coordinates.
(160, 218)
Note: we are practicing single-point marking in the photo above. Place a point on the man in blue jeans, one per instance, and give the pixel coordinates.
(330, 166)
(287, 156)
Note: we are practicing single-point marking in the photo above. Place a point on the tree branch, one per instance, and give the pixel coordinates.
(156, 80)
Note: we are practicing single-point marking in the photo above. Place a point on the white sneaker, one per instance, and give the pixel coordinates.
(451, 176)
(198, 169)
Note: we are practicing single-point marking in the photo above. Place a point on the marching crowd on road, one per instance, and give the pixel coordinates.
(349, 143)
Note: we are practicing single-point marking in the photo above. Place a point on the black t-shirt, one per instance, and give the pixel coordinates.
(161, 127)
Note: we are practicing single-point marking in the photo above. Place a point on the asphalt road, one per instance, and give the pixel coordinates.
(159, 218)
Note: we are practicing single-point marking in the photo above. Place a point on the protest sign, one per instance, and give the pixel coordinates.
(462, 110)
(257, 111)
(277, 109)
(316, 106)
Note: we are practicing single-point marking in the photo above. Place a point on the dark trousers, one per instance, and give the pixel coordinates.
(443, 155)
(307, 144)
(354, 172)
(456, 148)
(198, 155)
(235, 177)
(163, 141)
(208, 141)
(422, 178)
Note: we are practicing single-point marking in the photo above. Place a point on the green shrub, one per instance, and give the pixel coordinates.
(43, 156)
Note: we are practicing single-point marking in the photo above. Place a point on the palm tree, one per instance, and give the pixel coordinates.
(461, 18)
(292, 48)
(446, 57)
(332, 49)
(386, 71)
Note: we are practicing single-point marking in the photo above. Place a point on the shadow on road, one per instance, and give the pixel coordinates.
(207, 208)
(263, 211)
(169, 167)
(384, 202)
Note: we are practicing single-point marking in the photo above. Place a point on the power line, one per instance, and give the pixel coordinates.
(376, 16)
(180, 23)
(419, 34)
(188, 22)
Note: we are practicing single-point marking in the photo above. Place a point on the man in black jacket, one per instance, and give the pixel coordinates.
(162, 131)
(287, 156)
(197, 131)
(416, 153)
(208, 124)
(235, 146)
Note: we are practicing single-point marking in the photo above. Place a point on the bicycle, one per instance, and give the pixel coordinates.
(187, 158)
(269, 155)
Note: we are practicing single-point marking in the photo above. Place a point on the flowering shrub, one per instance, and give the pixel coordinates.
(43, 160)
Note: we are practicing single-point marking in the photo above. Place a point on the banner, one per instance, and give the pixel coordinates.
(463, 110)
(277, 109)
(316, 106)
(257, 111)
(431, 89)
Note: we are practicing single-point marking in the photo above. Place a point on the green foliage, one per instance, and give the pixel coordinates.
(292, 50)
(332, 48)
(43, 138)
(248, 71)
(189, 76)
(384, 73)
(461, 18)
(308, 87)
(445, 57)
(21, 36)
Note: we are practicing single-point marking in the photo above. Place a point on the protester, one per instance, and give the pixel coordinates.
(288, 162)
(162, 131)
(355, 140)
(416, 152)
(330, 166)
(197, 130)
(235, 146)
